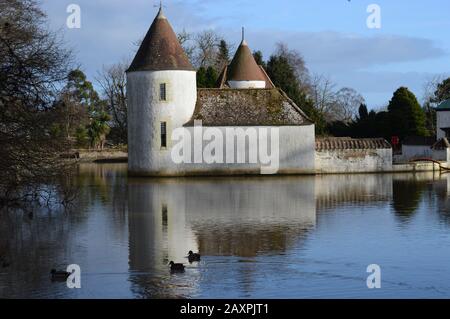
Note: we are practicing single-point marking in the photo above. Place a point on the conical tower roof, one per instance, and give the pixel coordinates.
(160, 50)
(243, 67)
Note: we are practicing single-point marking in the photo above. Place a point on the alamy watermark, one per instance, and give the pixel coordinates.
(374, 279)
(74, 279)
(74, 19)
(255, 146)
(374, 18)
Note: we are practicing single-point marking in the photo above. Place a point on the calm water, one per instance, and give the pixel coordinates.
(277, 237)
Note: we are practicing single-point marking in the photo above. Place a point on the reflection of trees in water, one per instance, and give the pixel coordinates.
(104, 184)
(333, 191)
(33, 247)
(442, 191)
(406, 197)
(35, 244)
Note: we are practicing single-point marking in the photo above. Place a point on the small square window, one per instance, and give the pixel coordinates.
(162, 92)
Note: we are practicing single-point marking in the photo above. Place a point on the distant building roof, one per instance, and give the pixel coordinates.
(243, 67)
(444, 106)
(419, 141)
(160, 50)
(247, 107)
(347, 143)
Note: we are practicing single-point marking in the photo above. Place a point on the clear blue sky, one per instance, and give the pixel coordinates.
(412, 46)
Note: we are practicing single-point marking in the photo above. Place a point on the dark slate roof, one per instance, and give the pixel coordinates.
(347, 143)
(418, 141)
(442, 144)
(247, 107)
(222, 80)
(160, 50)
(243, 67)
(444, 106)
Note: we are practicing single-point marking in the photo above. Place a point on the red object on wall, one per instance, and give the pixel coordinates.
(395, 140)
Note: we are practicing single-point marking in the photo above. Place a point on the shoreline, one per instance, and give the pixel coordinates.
(111, 156)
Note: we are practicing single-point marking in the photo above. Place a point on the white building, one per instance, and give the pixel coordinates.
(163, 101)
(443, 120)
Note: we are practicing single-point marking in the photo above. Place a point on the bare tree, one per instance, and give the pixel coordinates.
(323, 94)
(113, 82)
(186, 40)
(206, 44)
(347, 104)
(33, 64)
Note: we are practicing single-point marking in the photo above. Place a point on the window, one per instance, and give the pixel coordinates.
(163, 134)
(164, 216)
(162, 92)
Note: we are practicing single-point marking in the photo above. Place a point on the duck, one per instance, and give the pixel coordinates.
(176, 267)
(59, 275)
(193, 257)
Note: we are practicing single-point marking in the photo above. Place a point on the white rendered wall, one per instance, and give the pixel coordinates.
(296, 156)
(443, 120)
(354, 161)
(146, 112)
(247, 84)
(410, 152)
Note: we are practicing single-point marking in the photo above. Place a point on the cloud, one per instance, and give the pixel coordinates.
(333, 51)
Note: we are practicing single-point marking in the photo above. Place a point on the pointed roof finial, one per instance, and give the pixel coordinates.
(243, 37)
(160, 12)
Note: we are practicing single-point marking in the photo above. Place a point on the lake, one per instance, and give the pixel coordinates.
(260, 237)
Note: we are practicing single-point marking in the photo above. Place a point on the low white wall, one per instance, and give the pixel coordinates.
(416, 151)
(353, 161)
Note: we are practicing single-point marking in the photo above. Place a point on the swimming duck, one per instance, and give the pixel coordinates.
(176, 267)
(59, 275)
(193, 257)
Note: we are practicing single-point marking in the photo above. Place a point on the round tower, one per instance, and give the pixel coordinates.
(243, 71)
(161, 93)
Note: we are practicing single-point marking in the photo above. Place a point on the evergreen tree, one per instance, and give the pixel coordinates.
(201, 78)
(258, 56)
(211, 77)
(223, 55)
(206, 78)
(284, 77)
(363, 113)
(405, 115)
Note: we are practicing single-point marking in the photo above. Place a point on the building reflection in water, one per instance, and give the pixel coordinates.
(218, 217)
